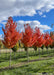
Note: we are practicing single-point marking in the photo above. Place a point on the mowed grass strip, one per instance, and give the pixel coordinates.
(32, 68)
(21, 57)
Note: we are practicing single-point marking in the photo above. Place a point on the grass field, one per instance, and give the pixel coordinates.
(43, 63)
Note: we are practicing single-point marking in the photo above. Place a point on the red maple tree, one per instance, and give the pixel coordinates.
(39, 38)
(29, 37)
(11, 36)
(48, 40)
(52, 37)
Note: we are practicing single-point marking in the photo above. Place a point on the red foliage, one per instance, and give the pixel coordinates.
(52, 36)
(29, 37)
(37, 32)
(48, 40)
(11, 36)
(40, 41)
(39, 38)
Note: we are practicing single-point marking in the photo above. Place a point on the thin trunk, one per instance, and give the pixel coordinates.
(42, 51)
(47, 50)
(39, 52)
(35, 48)
(6, 53)
(42, 47)
(10, 59)
(26, 49)
(35, 52)
(19, 53)
(14, 55)
(27, 55)
(0, 52)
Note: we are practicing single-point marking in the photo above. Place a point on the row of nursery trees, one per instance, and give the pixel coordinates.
(29, 38)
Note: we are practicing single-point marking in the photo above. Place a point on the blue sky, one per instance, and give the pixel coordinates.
(37, 13)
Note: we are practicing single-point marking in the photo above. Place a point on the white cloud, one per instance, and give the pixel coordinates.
(33, 24)
(44, 16)
(24, 7)
(1, 38)
(40, 13)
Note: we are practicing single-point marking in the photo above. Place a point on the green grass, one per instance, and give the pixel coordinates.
(31, 68)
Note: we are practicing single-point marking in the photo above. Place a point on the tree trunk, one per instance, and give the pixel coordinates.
(14, 55)
(42, 48)
(26, 49)
(0, 52)
(27, 55)
(6, 53)
(47, 50)
(35, 52)
(42, 51)
(39, 52)
(35, 48)
(10, 59)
